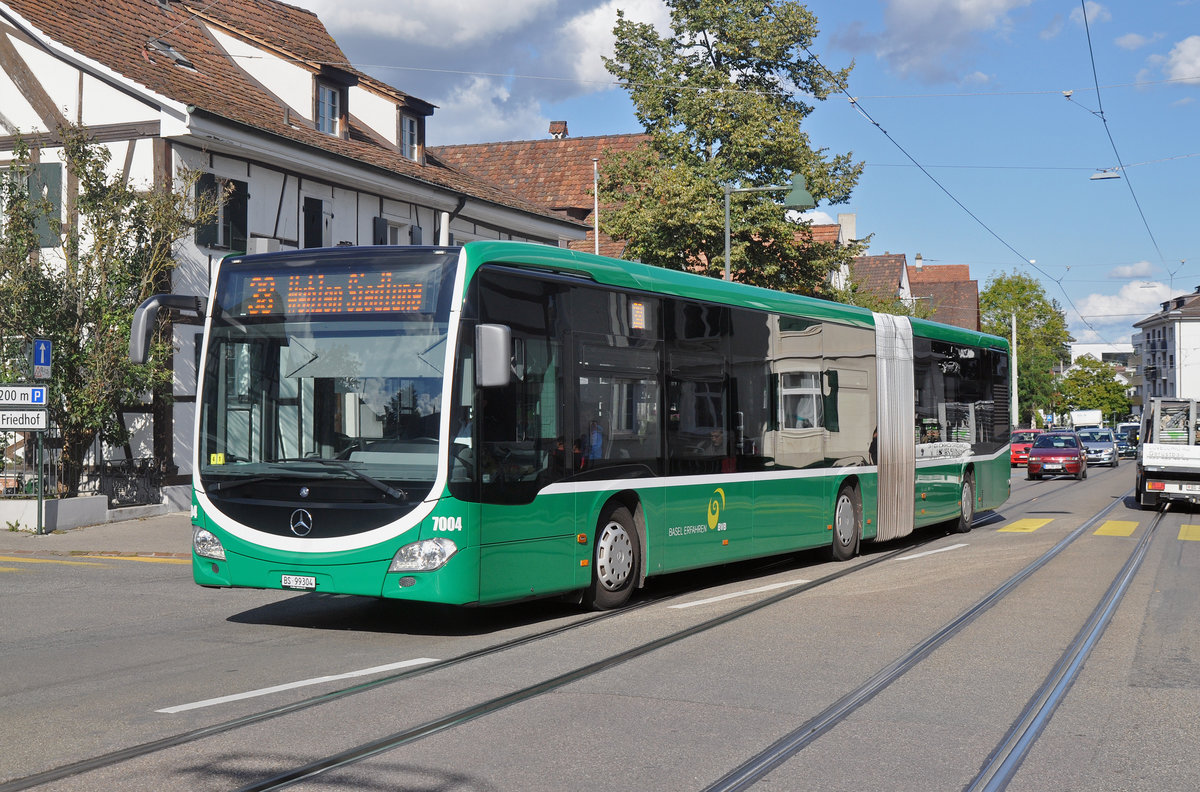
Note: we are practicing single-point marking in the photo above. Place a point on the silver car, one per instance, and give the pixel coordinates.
(1101, 446)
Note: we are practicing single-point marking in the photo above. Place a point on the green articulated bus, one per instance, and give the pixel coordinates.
(499, 421)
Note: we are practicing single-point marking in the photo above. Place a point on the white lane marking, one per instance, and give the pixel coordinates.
(293, 685)
(929, 552)
(759, 590)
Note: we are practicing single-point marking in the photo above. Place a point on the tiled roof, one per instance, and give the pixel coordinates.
(879, 275)
(939, 273)
(950, 290)
(826, 233)
(114, 33)
(556, 172)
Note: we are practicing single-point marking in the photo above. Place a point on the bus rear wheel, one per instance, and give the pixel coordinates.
(847, 524)
(615, 560)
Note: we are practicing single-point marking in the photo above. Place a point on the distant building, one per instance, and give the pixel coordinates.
(1167, 345)
(949, 290)
(557, 173)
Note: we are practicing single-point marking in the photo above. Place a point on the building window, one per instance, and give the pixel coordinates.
(801, 400)
(409, 138)
(227, 230)
(329, 109)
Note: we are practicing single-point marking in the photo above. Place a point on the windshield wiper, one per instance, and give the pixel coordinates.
(345, 465)
(217, 486)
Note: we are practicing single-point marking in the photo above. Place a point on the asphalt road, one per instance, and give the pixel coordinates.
(99, 654)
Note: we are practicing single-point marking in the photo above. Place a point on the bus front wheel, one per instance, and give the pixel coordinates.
(847, 524)
(966, 502)
(615, 560)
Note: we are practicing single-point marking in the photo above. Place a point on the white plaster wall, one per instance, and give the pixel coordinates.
(345, 218)
(103, 104)
(1187, 359)
(60, 81)
(265, 188)
(376, 112)
(184, 425)
(291, 84)
(16, 109)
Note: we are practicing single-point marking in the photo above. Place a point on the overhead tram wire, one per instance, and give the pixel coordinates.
(1027, 261)
(1104, 120)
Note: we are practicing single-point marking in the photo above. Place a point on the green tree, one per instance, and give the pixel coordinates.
(116, 250)
(1042, 337)
(723, 98)
(1093, 385)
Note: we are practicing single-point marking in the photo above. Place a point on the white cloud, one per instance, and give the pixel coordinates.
(588, 36)
(1133, 41)
(1095, 13)
(1141, 269)
(929, 39)
(459, 113)
(446, 23)
(1113, 315)
(490, 68)
(1183, 62)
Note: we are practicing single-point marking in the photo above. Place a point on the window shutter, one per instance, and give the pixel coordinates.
(831, 401)
(45, 193)
(237, 213)
(379, 231)
(206, 233)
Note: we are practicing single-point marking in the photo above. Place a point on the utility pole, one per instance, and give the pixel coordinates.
(1013, 363)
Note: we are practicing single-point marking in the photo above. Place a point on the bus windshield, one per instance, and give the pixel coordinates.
(334, 372)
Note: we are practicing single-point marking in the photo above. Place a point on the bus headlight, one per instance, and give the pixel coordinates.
(424, 556)
(206, 545)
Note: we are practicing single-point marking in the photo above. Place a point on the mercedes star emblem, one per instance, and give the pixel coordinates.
(301, 522)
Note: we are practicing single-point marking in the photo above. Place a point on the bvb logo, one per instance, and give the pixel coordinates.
(715, 504)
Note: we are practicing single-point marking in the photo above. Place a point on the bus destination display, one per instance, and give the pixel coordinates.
(329, 293)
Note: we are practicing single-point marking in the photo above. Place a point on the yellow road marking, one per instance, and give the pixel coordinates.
(1189, 533)
(11, 569)
(1024, 526)
(1117, 528)
(21, 560)
(144, 559)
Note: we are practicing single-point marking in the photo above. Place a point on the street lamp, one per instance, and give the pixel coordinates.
(797, 198)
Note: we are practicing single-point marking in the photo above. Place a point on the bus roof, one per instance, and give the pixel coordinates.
(643, 277)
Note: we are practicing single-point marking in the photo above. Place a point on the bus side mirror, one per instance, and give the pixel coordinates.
(146, 314)
(493, 355)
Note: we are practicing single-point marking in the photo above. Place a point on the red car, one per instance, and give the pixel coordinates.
(1019, 445)
(1056, 454)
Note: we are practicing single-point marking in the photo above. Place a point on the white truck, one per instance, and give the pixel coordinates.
(1086, 419)
(1168, 457)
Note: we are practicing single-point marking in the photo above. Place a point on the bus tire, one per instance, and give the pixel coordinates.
(966, 505)
(616, 559)
(847, 524)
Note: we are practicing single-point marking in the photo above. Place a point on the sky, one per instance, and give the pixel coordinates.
(979, 122)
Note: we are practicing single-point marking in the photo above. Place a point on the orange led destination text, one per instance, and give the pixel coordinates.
(310, 294)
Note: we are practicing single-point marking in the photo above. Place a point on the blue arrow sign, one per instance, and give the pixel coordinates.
(41, 358)
(41, 352)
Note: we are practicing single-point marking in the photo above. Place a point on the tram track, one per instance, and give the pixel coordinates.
(750, 772)
(1004, 760)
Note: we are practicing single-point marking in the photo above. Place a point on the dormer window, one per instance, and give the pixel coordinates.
(329, 109)
(410, 138)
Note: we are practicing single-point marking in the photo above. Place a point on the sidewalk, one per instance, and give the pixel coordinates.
(166, 535)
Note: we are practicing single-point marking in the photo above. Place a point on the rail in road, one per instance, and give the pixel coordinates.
(997, 768)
